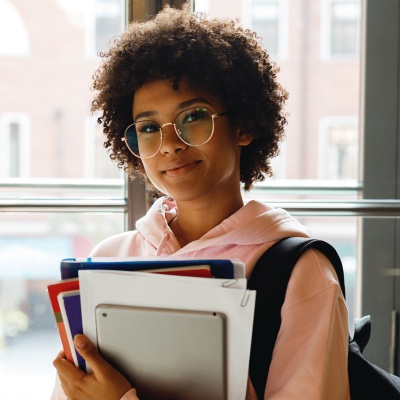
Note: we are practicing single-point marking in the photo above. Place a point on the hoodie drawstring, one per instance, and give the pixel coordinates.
(162, 243)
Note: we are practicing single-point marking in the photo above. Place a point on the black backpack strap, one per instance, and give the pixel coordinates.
(270, 278)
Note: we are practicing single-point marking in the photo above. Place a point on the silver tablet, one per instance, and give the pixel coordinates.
(166, 354)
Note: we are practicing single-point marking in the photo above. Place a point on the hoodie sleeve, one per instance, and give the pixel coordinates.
(58, 392)
(310, 355)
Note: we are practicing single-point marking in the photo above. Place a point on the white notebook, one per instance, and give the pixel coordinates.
(226, 297)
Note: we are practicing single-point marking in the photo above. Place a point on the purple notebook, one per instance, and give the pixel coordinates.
(73, 321)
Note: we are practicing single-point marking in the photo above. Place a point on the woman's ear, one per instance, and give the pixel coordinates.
(244, 139)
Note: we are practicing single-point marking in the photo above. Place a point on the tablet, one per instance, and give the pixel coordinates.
(165, 353)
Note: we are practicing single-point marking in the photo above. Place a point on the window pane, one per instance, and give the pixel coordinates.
(31, 248)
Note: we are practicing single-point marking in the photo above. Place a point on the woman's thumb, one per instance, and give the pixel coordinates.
(89, 352)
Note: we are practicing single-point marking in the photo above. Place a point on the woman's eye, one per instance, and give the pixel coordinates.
(147, 127)
(195, 115)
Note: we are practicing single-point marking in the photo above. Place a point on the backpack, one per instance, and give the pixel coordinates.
(270, 278)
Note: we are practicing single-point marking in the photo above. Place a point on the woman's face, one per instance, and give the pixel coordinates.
(186, 172)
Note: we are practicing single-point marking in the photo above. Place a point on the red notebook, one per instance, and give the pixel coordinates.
(54, 289)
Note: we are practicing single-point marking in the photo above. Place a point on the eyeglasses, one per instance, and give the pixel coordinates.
(194, 126)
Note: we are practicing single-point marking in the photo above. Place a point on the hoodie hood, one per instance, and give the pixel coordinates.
(255, 224)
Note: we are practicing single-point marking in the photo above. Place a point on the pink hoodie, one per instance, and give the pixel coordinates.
(310, 356)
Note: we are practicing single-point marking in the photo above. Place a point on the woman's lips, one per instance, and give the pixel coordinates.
(182, 169)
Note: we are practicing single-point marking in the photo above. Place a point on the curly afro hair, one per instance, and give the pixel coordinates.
(216, 54)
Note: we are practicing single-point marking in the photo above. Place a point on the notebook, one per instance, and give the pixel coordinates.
(165, 353)
(70, 308)
(225, 269)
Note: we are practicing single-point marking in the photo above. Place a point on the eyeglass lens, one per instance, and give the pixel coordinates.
(193, 126)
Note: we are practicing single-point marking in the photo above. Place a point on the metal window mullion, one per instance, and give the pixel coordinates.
(379, 121)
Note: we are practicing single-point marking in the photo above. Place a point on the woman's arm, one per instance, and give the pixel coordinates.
(105, 383)
(310, 355)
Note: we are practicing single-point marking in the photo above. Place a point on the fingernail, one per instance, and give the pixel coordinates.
(80, 341)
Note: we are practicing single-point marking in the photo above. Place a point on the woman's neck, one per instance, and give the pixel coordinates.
(194, 220)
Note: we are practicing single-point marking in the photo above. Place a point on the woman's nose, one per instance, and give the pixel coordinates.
(171, 142)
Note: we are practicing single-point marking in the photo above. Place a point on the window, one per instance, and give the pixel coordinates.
(97, 161)
(279, 163)
(108, 21)
(104, 19)
(269, 19)
(340, 30)
(15, 145)
(339, 148)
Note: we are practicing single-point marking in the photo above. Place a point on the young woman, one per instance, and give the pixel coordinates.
(192, 106)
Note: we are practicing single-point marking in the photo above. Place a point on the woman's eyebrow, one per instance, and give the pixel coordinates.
(188, 103)
(180, 106)
(145, 114)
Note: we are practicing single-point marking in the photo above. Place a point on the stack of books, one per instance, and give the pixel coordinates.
(176, 328)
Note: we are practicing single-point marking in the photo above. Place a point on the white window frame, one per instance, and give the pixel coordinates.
(6, 120)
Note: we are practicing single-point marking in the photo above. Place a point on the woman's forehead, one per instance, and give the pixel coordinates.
(162, 94)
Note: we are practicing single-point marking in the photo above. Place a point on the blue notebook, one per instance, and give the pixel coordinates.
(225, 269)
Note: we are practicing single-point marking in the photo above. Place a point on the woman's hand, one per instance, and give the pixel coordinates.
(105, 383)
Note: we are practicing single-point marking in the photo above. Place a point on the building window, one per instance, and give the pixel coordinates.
(14, 146)
(269, 19)
(339, 148)
(108, 22)
(340, 28)
(105, 20)
(97, 161)
(279, 163)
